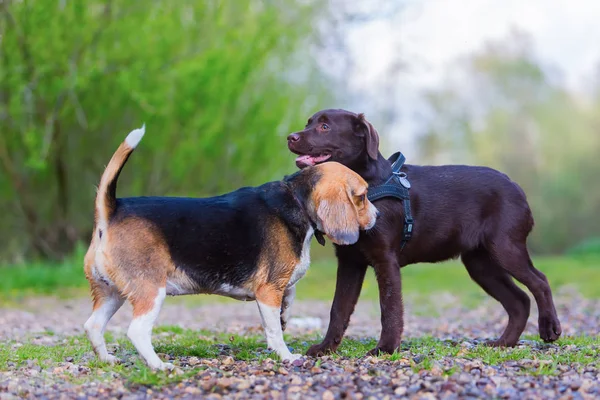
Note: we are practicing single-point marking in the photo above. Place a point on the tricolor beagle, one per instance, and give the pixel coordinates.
(250, 244)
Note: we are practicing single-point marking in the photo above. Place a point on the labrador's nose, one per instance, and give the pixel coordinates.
(294, 137)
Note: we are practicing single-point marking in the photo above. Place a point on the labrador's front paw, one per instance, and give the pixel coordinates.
(319, 350)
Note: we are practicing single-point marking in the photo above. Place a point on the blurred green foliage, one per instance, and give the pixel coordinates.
(587, 248)
(506, 111)
(219, 85)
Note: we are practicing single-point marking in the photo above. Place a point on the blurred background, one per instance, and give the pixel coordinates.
(219, 84)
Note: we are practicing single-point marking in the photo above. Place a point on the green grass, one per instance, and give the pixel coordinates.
(418, 354)
(61, 279)
(589, 247)
(66, 279)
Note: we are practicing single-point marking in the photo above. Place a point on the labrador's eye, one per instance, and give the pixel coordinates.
(325, 127)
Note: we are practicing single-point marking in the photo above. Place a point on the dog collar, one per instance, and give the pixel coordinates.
(397, 186)
(319, 235)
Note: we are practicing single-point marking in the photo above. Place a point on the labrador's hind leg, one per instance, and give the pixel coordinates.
(496, 282)
(514, 258)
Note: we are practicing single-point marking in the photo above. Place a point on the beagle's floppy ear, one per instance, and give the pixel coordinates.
(337, 218)
(371, 138)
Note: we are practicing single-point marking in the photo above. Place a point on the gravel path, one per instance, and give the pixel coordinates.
(448, 377)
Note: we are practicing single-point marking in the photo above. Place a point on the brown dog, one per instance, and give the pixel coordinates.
(473, 212)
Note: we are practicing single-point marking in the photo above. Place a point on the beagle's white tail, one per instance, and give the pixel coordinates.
(106, 197)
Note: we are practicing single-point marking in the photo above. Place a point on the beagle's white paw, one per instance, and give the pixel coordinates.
(166, 367)
(163, 366)
(292, 357)
(110, 359)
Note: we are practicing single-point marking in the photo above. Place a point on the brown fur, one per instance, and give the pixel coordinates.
(135, 277)
(269, 294)
(277, 261)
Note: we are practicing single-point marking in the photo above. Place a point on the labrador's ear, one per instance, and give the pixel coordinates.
(371, 137)
(337, 218)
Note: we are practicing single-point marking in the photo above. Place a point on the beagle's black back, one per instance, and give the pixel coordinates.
(218, 240)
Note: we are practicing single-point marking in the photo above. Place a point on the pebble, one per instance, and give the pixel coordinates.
(228, 360)
(464, 378)
(575, 385)
(400, 391)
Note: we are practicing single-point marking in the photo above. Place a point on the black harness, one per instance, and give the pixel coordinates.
(397, 186)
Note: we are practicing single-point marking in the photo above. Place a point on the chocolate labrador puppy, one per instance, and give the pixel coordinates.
(476, 213)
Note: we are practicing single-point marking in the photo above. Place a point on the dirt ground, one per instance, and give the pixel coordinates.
(48, 321)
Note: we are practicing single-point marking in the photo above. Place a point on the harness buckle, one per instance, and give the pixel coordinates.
(402, 177)
(408, 228)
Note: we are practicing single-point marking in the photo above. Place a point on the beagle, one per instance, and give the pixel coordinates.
(250, 244)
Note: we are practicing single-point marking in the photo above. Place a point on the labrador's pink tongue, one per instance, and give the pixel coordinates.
(321, 158)
(304, 161)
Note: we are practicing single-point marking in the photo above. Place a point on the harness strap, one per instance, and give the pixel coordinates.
(388, 190)
(397, 164)
(396, 186)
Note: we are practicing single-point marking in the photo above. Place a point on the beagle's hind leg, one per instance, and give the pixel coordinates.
(144, 266)
(106, 303)
(146, 302)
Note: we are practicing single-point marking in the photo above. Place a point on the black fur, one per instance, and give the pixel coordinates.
(218, 240)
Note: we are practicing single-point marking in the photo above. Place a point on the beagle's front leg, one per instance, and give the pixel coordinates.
(286, 306)
(269, 300)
